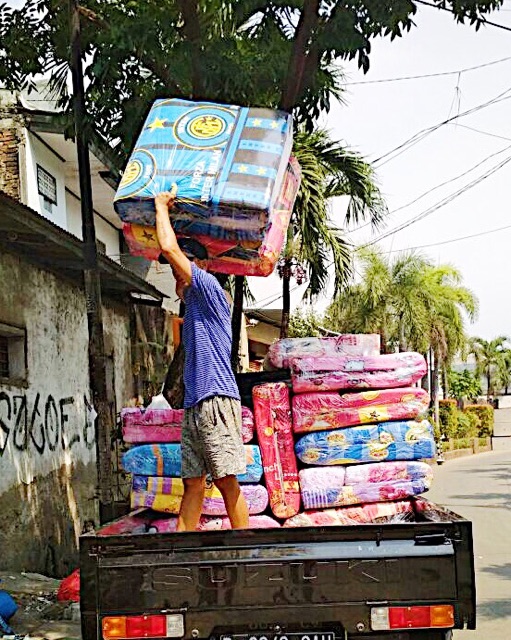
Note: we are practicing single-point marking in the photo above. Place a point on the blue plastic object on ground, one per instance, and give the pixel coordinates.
(7, 605)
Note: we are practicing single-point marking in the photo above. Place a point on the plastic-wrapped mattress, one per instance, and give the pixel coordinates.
(332, 373)
(331, 410)
(165, 460)
(228, 254)
(326, 487)
(272, 413)
(281, 353)
(401, 511)
(410, 440)
(165, 494)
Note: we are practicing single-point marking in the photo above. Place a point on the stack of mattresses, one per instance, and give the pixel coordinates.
(362, 448)
(236, 182)
(154, 462)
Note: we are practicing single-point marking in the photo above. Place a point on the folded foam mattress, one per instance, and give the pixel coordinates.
(165, 460)
(333, 373)
(321, 488)
(272, 414)
(281, 352)
(231, 255)
(140, 522)
(332, 410)
(228, 163)
(406, 440)
(165, 494)
(151, 425)
(400, 511)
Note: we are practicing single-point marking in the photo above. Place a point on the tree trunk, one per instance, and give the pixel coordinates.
(426, 380)
(307, 23)
(192, 33)
(445, 384)
(173, 387)
(402, 338)
(286, 300)
(434, 391)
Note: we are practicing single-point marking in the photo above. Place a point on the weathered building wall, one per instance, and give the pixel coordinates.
(9, 161)
(47, 439)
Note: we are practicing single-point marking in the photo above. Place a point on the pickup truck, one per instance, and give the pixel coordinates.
(409, 580)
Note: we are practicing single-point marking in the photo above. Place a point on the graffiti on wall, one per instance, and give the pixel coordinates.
(44, 424)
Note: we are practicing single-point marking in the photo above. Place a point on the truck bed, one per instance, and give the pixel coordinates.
(313, 581)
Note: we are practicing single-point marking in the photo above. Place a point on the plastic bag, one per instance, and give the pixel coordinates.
(69, 589)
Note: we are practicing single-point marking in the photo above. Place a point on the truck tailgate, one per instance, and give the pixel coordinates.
(309, 579)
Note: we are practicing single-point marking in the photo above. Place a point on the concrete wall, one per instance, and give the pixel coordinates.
(47, 438)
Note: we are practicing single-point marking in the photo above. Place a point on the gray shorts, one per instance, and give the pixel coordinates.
(211, 441)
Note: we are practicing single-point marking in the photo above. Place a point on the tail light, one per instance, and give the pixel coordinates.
(421, 617)
(146, 626)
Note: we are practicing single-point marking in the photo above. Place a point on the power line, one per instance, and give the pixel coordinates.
(486, 133)
(436, 244)
(431, 75)
(442, 184)
(418, 137)
(438, 205)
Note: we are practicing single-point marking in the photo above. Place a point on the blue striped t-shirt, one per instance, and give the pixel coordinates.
(207, 341)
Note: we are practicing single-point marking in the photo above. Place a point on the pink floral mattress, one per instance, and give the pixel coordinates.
(281, 353)
(400, 511)
(157, 426)
(332, 373)
(151, 425)
(323, 488)
(331, 410)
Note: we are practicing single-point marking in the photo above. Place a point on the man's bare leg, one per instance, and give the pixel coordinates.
(191, 504)
(235, 503)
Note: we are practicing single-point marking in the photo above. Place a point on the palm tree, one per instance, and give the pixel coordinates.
(489, 356)
(504, 373)
(328, 170)
(411, 303)
(446, 301)
(387, 301)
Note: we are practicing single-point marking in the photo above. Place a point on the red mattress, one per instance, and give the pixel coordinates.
(272, 413)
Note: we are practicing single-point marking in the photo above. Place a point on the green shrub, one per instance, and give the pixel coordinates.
(468, 425)
(485, 415)
(448, 416)
(462, 443)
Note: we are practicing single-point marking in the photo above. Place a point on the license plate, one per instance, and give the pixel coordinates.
(310, 635)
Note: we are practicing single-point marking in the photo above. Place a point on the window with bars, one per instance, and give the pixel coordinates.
(13, 365)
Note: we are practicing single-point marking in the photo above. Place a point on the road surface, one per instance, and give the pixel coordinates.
(479, 488)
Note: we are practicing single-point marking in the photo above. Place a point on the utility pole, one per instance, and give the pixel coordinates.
(239, 284)
(92, 283)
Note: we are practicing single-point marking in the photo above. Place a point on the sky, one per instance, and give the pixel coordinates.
(379, 116)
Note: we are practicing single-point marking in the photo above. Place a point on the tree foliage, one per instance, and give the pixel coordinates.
(464, 384)
(259, 52)
(303, 324)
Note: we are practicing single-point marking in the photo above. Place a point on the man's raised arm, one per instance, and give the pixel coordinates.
(181, 266)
